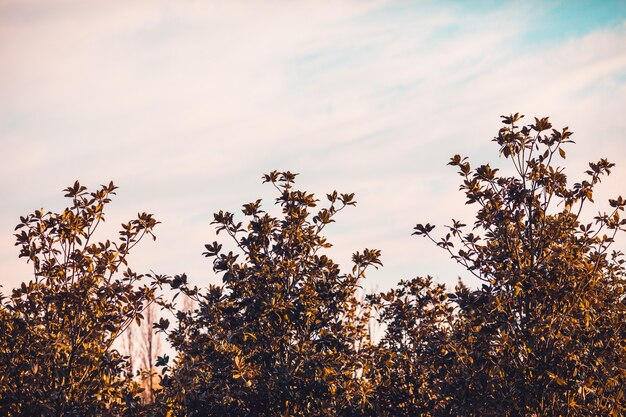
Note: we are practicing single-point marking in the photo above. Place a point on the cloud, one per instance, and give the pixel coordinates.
(186, 104)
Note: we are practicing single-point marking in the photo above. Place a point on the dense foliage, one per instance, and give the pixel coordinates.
(286, 332)
(57, 331)
(546, 332)
(411, 364)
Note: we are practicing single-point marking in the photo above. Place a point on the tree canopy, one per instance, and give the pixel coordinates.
(287, 332)
(545, 334)
(57, 331)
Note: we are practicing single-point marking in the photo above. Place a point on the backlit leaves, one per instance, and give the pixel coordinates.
(544, 335)
(288, 333)
(285, 334)
(57, 331)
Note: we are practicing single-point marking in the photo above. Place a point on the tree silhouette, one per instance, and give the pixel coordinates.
(56, 332)
(546, 332)
(285, 333)
(409, 367)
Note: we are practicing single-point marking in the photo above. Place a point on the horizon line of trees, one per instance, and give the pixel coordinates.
(287, 332)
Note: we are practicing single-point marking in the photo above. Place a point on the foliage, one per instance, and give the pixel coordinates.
(285, 334)
(409, 366)
(56, 332)
(546, 332)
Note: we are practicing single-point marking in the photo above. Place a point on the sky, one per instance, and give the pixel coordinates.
(185, 104)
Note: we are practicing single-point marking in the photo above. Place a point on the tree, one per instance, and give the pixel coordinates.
(545, 334)
(149, 351)
(285, 333)
(410, 364)
(142, 346)
(57, 331)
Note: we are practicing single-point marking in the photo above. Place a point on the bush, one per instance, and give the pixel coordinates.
(57, 331)
(545, 333)
(286, 332)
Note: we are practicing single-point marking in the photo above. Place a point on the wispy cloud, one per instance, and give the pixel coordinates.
(186, 104)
